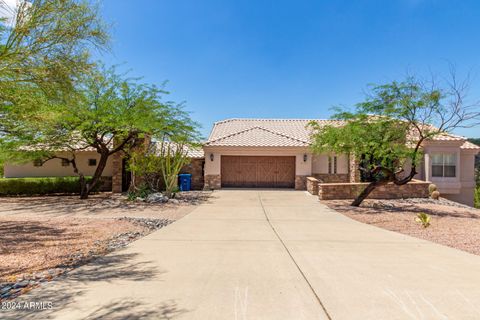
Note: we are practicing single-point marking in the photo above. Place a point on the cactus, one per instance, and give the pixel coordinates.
(435, 195)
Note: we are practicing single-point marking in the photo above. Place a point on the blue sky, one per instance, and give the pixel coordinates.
(289, 59)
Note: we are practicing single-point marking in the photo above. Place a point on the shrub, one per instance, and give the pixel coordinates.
(477, 197)
(39, 186)
(141, 192)
(435, 195)
(424, 219)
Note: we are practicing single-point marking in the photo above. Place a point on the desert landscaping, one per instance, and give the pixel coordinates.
(452, 224)
(43, 237)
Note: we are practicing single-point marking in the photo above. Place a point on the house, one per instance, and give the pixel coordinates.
(115, 176)
(275, 153)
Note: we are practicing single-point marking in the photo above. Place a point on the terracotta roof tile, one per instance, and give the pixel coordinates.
(275, 132)
(258, 137)
(469, 145)
(281, 133)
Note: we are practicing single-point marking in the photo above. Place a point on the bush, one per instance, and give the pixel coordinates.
(39, 186)
(141, 192)
(477, 197)
(423, 219)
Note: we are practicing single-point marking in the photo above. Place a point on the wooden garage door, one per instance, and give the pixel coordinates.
(258, 172)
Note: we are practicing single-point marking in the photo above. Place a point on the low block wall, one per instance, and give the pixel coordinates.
(331, 177)
(312, 185)
(339, 191)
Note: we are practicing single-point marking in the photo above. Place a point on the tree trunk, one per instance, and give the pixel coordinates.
(83, 187)
(364, 194)
(85, 191)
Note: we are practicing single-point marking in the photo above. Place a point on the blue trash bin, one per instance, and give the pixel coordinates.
(185, 181)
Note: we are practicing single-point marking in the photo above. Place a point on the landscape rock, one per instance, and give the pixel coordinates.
(173, 201)
(156, 197)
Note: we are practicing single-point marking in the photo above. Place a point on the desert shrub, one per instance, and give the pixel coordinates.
(435, 195)
(477, 197)
(140, 192)
(432, 187)
(423, 219)
(40, 186)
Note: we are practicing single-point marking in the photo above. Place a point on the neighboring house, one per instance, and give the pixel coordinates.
(115, 175)
(86, 162)
(275, 153)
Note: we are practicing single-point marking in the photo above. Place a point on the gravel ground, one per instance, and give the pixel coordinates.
(452, 224)
(43, 237)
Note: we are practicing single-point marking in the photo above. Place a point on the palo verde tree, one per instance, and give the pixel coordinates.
(45, 47)
(386, 131)
(107, 113)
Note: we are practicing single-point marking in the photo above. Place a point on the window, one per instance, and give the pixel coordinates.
(444, 165)
(65, 163)
(332, 165)
(37, 163)
(92, 162)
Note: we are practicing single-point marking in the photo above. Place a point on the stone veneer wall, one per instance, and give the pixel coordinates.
(195, 168)
(312, 185)
(105, 184)
(354, 173)
(337, 191)
(212, 181)
(117, 159)
(301, 182)
(332, 178)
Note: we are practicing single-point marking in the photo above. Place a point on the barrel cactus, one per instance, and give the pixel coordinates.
(435, 195)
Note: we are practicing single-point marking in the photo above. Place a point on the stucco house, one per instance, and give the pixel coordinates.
(275, 153)
(115, 177)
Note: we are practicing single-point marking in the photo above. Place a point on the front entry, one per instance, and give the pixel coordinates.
(258, 172)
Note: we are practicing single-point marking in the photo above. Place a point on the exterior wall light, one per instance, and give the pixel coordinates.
(211, 157)
(305, 157)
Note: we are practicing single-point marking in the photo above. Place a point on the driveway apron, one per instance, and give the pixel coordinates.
(267, 254)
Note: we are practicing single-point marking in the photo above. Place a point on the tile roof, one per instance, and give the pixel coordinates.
(469, 145)
(263, 132)
(282, 133)
(194, 153)
(258, 137)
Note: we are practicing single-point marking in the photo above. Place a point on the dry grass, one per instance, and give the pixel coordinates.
(453, 226)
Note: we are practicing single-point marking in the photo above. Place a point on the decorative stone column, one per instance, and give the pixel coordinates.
(212, 181)
(117, 163)
(300, 182)
(353, 171)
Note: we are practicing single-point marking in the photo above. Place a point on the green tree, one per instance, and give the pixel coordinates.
(386, 131)
(44, 50)
(107, 113)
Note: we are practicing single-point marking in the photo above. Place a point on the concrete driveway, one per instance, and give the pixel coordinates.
(264, 254)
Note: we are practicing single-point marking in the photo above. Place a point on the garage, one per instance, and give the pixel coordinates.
(258, 172)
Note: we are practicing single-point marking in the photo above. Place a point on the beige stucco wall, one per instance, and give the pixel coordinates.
(465, 196)
(303, 168)
(445, 185)
(320, 163)
(461, 187)
(314, 163)
(54, 168)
